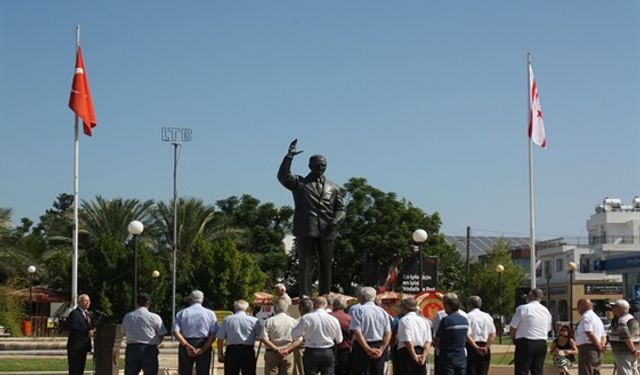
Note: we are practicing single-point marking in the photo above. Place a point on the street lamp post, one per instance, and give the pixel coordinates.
(135, 228)
(31, 270)
(500, 270)
(177, 136)
(571, 267)
(419, 237)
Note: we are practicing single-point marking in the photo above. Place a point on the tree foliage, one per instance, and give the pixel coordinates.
(228, 250)
(485, 279)
(264, 227)
(377, 233)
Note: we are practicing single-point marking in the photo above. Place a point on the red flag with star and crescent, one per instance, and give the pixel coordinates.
(536, 124)
(80, 100)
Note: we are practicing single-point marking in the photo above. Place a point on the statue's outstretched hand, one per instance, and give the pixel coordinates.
(292, 148)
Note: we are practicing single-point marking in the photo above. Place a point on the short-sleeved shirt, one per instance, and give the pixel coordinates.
(239, 329)
(590, 322)
(532, 321)
(344, 319)
(452, 333)
(481, 325)
(277, 329)
(371, 320)
(620, 332)
(143, 327)
(415, 329)
(318, 329)
(195, 322)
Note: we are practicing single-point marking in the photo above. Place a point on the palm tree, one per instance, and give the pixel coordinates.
(196, 220)
(111, 217)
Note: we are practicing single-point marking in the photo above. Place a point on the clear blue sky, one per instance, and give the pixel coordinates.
(423, 98)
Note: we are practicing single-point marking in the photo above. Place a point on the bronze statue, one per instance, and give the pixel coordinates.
(319, 208)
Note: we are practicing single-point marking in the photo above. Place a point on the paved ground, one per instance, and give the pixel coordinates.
(54, 348)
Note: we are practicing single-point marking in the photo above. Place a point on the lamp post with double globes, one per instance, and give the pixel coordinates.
(419, 237)
(31, 270)
(500, 270)
(571, 267)
(135, 228)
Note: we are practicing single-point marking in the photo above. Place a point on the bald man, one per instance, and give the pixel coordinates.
(80, 334)
(591, 339)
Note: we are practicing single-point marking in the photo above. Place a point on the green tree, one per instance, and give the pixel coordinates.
(223, 273)
(484, 279)
(264, 227)
(377, 232)
(11, 310)
(111, 217)
(106, 274)
(106, 262)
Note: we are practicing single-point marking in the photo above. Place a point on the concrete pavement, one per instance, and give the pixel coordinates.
(168, 358)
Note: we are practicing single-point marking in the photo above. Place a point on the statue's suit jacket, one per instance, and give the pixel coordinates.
(318, 203)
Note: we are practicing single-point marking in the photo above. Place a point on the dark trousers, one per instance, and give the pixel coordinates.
(362, 364)
(77, 361)
(141, 357)
(240, 358)
(436, 364)
(530, 356)
(452, 363)
(477, 364)
(406, 364)
(589, 360)
(202, 362)
(342, 362)
(307, 248)
(321, 361)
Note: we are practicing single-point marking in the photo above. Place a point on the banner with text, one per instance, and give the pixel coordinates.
(409, 275)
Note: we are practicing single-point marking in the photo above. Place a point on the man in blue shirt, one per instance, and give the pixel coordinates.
(240, 331)
(371, 327)
(195, 328)
(144, 331)
(451, 338)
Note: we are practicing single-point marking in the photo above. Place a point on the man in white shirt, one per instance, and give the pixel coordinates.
(414, 340)
(529, 328)
(320, 332)
(483, 332)
(590, 338)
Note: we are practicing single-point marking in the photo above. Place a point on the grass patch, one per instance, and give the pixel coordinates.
(506, 358)
(41, 364)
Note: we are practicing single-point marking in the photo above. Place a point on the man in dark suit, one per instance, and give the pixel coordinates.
(319, 208)
(80, 333)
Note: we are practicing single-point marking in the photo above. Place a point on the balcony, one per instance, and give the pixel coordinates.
(615, 243)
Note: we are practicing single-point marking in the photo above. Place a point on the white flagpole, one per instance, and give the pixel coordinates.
(532, 215)
(76, 155)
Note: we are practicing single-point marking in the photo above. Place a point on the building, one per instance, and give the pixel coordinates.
(614, 237)
(563, 289)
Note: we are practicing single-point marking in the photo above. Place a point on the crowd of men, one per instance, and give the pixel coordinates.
(326, 339)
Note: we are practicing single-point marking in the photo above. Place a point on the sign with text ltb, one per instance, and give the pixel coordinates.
(409, 275)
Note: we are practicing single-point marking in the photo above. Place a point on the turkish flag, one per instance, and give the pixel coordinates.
(80, 99)
(536, 124)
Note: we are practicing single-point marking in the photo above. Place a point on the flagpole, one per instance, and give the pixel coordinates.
(76, 155)
(532, 216)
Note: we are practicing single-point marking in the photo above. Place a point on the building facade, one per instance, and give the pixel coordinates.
(614, 237)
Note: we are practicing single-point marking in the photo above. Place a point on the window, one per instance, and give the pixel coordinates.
(559, 265)
(547, 269)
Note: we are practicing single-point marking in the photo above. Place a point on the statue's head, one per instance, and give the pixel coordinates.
(317, 164)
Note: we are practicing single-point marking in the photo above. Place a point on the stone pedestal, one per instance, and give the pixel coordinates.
(107, 349)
